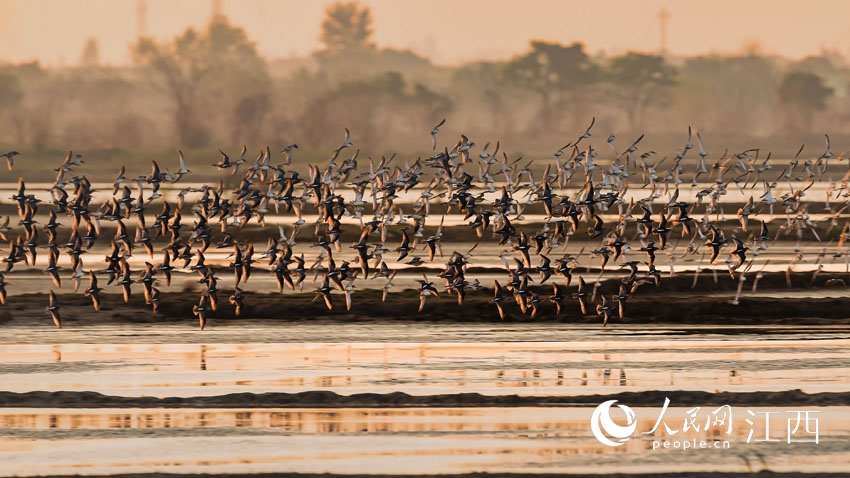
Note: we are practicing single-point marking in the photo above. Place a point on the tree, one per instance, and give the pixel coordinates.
(91, 53)
(215, 75)
(346, 27)
(482, 99)
(11, 93)
(346, 34)
(804, 93)
(381, 110)
(550, 70)
(640, 81)
(27, 90)
(729, 94)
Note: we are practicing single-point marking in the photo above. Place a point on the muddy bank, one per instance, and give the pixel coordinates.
(758, 474)
(326, 399)
(672, 302)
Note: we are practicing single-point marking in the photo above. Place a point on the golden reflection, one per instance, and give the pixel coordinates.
(549, 368)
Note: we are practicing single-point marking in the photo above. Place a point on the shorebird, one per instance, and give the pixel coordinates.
(581, 295)
(740, 252)
(237, 300)
(426, 288)
(434, 131)
(181, 170)
(325, 293)
(498, 298)
(3, 285)
(201, 310)
(557, 298)
(53, 309)
(605, 309)
(579, 189)
(10, 158)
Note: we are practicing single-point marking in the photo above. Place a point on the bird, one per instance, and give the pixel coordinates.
(434, 131)
(404, 248)
(581, 295)
(155, 299)
(53, 309)
(426, 288)
(557, 298)
(10, 158)
(605, 309)
(498, 298)
(287, 152)
(93, 291)
(529, 208)
(181, 170)
(201, 310)
(346, 142)
(237, 300)
(325, 293)
(740, 252)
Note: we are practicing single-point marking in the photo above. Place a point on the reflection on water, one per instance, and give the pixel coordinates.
(529, 359)
(343, 420)
(441, 440)
(529, 368)
(253, 331)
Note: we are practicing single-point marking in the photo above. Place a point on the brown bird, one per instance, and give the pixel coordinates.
(426, 288)
(237, 300)
(93, 291)
(581, 295)
(325, 293)
(201, 310)
(53, 309)
(3, 285)
(154, 299)
(126, 280)
(52, 269)
(498, 298)
(605, 309)
(557, 298)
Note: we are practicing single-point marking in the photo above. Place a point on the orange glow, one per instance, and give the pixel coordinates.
(447, 31)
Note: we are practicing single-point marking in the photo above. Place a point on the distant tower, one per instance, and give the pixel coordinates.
(216, 8)
(663, 16)
(141, 18)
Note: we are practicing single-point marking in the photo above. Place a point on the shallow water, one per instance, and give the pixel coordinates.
(435, 440)
(423, 359)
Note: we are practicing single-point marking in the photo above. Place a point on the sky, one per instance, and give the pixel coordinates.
(447, 31)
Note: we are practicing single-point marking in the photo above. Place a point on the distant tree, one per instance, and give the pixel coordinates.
(480, 90)
(11, 96)
(549, 70)
(729, 94)
(346, 33)
(91, 53)
(805, 94)
(346, 27)
(11, 93)
(213, 75)
(640, 81)
(27, 90)
(381, 108)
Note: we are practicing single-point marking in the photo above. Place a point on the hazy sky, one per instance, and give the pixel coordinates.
(448, 31)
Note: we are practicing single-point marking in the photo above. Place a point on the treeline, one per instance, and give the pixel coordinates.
(211, 88)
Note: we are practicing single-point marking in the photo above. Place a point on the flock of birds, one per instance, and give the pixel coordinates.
(459, 181)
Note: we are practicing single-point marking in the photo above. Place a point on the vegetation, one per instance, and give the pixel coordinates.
(210, 88)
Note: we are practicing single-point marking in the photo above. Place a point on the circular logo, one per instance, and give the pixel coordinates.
(603, 426)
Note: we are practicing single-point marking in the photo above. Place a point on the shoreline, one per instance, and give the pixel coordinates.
(757, 474)
(327, 399)
(682, 305)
